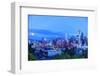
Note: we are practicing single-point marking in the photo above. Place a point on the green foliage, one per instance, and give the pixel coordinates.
(63, 56)
(67, 56)
(31, 57)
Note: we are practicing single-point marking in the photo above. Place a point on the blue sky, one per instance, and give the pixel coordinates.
(63, 24)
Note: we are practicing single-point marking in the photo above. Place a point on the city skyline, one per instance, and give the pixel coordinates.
(57, 37)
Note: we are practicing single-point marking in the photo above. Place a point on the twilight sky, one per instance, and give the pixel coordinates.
(63, 24)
